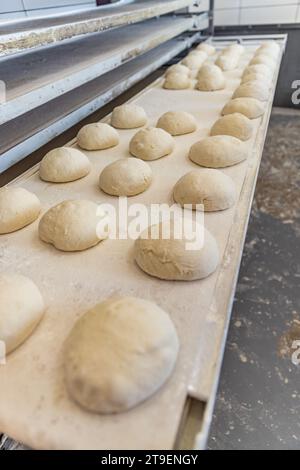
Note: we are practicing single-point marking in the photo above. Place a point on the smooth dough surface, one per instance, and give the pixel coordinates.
(64, 164)
(252, 90)
(118, 354)
(18, 208)
(126, 177)
(169, 259)
(177, 123)
(128, 116)
(151, 143)
(194, 61)
(97, 136)
(264, 59)
(236, 125)
(257, 77)
(249, 107)
(258, 68)
(220, 151)
(177, 81)
(178, 68)
(207, 48)
(21, 309)
(228, 62)
(209, 188)
(210, 78)
(73, 225)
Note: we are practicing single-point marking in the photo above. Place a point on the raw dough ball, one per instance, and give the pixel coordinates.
(219, 151)
(21, 309)
(178, 68)
(119, 354)
(252, 90)
(73, 225)
(128, 116)
(194, 61)
(236, 125)
(259, 68)
(177, 81)
(170, 259)
(177, 123)
(207, 48)
(249, 107)
(64, 164)
(126, 177)
(18, 208)
(236, 49)
(228, 62)
(256, 77)
(263, 59)
(271, 48)
(210, 188)
(97, 136)
(151, 143)
(210, 78)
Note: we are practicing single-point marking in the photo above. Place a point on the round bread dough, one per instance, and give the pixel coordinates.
(126, 177)
(256, 77)
(252, 90)
(207, 48)
(228, 62)
(128, 116)
(21, 309)
(177, 81)
(171, 260)
(151, 143)
(18, 208)
(259, 68)
(177, 123)
(178, 68)
(97, 136)
(237, 125)
(236, 49)
(119, 354)
(264, 59)
(210, 78)
(64, 164)
(195, 61)
(249, 107)
(270, 48)
(209, 188)
(73, 225)
(220, 151)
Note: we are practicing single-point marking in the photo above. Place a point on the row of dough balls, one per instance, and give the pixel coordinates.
(117, 354)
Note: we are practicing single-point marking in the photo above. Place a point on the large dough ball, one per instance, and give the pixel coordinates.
(178, 68)
(171, 259)
(119, 354)
(228, 62)
(18, 208)
(259, 68)
(177, 123)
(256, 77)
(219, 151)
(249, 107)
(252, 90)
(73, 225)
(97, 136)
(21, 309)
(236, 125)
(264, 59)
(151, 143)
(177, 81)
(195, 60)
(128, 116)
(211, 189)
(64, 164)
(126, 177)
(207, 48)
(210, 78)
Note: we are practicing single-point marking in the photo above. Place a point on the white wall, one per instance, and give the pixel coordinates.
(244, 12)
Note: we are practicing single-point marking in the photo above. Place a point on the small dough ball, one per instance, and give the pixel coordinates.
(151, 143)
(97, 136)
(178, 68)
(119, 354)
(210, 78)
(220, 151)
(256, 77)
(73, 225)
(177, 81)
(64, 164)
(128, 116)
(259, 68)
(249, 107)
(252, 90)
(18, 208)
(177, 123)
(171, 259)
(228, 62)
(126, 177)
(207, 48)
(236, 49)
(21, 309)
(195, 61)
(236, 125)
(264, 59)
(212, 189)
